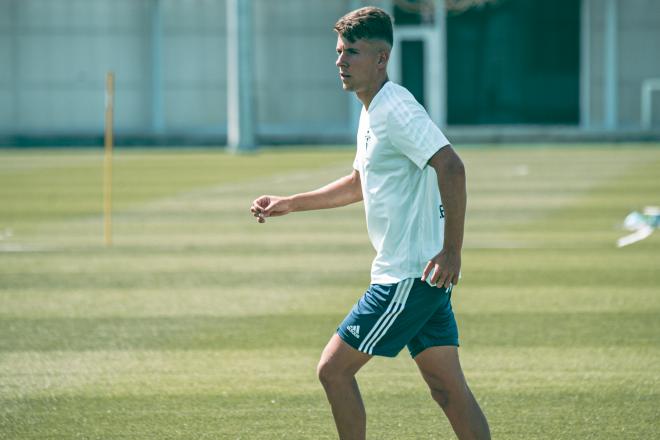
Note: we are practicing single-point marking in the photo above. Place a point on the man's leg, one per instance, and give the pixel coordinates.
(337, 368)
(442, 372)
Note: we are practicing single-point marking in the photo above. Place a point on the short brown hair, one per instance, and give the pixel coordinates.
(369, 23)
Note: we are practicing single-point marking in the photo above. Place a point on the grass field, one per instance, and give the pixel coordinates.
(202, 324)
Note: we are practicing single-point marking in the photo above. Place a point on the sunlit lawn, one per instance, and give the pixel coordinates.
(200, 323)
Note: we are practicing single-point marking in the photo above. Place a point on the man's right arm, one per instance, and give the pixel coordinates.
(341, 192)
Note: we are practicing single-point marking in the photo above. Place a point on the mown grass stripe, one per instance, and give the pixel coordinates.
(200, 323)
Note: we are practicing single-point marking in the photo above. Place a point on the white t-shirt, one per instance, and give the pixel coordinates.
(405, 218)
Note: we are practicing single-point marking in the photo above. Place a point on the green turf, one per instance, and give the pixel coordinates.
(201, 324)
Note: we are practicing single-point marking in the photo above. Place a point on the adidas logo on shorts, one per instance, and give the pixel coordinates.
(354, 329)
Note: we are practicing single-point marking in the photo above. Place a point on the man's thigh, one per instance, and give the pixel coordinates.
(441, 367)
(341, 358)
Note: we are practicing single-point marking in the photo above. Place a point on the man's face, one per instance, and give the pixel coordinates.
(358, 63)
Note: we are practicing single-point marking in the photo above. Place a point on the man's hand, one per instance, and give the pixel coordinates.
(443, 269)
(270, 206)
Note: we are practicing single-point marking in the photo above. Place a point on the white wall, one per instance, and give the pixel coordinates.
(639, 57)
(55, 62)
(638, 40)
(296, 79)
(54, 55)
(194, 65)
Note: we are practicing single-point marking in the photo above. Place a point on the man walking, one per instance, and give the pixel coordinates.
(413, 186)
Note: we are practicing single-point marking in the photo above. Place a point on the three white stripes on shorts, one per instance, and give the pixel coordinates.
(387, 319)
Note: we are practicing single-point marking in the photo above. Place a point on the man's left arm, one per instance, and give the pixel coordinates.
(445, 267)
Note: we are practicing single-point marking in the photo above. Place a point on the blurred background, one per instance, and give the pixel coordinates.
(139, 299)
(486, 70)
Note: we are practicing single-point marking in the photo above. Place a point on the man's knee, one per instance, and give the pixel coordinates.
(328, 373)
(447, 392)
(440, 395)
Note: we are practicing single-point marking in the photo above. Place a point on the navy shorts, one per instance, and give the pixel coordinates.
(390, 316)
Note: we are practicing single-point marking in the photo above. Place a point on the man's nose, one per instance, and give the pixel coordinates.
(341, 62)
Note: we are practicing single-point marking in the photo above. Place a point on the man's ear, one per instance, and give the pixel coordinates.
(383, 57)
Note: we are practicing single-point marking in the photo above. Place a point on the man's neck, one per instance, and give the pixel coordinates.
(366, 96)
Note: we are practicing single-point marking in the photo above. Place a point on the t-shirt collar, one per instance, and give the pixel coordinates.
(376, 98)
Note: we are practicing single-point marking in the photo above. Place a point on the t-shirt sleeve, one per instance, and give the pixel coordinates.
(414, 134)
